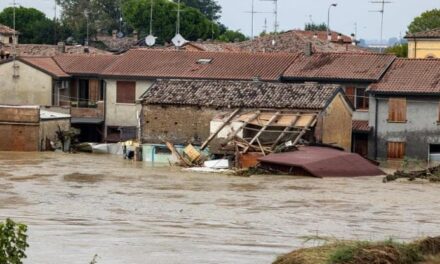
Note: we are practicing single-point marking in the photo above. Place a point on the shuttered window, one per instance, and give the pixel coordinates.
(396, 150)
(350, 92)
(397, 110)
(125, 92)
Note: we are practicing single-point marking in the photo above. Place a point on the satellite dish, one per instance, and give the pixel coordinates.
(179, 41)
(120, 34)
(150, 40)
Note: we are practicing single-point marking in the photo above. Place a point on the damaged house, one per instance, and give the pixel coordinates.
(255, 116)
(405, 111)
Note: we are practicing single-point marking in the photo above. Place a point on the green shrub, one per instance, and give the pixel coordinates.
(12, 242)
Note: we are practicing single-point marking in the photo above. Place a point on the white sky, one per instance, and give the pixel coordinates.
(295, 13)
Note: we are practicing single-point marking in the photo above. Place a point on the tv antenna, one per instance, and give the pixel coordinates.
(178, 39)
(275, 13)
(150, 40)
(253, 12)
(382, 12)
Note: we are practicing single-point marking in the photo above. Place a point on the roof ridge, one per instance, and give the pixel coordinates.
(244, 52)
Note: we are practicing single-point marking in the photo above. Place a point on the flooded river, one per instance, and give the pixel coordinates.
(77, 206)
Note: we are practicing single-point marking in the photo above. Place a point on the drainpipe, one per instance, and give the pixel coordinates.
(375, 128)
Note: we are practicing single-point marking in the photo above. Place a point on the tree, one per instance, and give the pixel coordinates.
(400, 50)
(33, 25)
(193, 24)
(13, 242)
(232, 36)
(426, 21)
(210, 8)
(315, 27)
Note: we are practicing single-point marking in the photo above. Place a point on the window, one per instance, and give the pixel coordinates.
(396, 150)
(350, 92)
(397, 110)
(362, 100)
(125, 92)
(11, 40)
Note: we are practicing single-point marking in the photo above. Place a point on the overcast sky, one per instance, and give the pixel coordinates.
(295, 13)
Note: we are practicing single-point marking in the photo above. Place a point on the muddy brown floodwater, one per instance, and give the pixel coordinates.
(79, 205)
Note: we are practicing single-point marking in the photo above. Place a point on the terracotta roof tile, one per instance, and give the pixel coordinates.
(45, 64)
(241, 94)
(85, 64)
(411, 76)
(186, 65)
(361, 126)
(296, 41)
(7, 30)
(434, 33)
(339, 67)
(322, 35)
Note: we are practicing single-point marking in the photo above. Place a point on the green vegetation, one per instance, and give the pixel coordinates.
(209, 8)
(426, 21)
(400, 50)
(198, 18)
(33, 25)
(349, 252)
(315, 27)
(12, 242)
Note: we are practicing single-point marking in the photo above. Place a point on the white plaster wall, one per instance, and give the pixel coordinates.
(123, 114)
(32, 87)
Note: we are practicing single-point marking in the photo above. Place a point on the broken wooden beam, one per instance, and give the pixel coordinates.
(206, 143)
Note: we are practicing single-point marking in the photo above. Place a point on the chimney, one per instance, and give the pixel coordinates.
(329, 36)
(353, 40)
(61, 47)
(339, 37)
(114, 33)
(308, 49)
(136, 35)
(315, 35)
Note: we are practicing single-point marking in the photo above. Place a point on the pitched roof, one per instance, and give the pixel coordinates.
(84, 64)
(433, 33)
(410, 76)
(241, 94)
(44, 50)
(322, 35)
(361, 126)
(142, 63)
(45, 64)
(7, 30)
(296, 41)
(339, 67)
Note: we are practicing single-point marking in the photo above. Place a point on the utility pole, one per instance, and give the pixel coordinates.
(178, 18)
(328, 18)
(55, 37)
(382, 12)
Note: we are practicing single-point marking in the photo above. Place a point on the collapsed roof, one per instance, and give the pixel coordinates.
(321, 162)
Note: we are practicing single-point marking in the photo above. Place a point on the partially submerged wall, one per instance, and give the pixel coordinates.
(19, 128)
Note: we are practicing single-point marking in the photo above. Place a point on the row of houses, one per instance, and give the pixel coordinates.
(391, 105)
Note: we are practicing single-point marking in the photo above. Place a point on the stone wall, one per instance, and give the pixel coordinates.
(177, 124)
